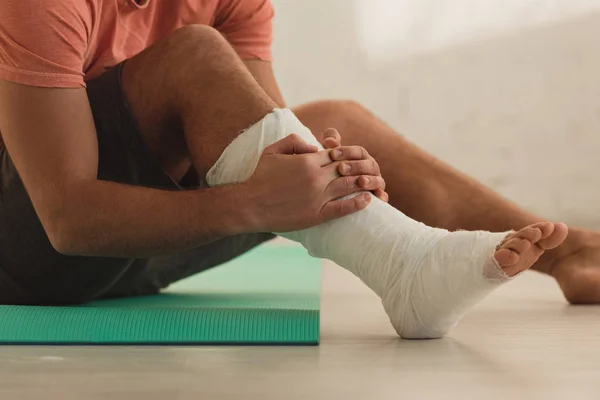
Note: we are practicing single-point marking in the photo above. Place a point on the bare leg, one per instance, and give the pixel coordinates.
(432, 192)
(191, 95)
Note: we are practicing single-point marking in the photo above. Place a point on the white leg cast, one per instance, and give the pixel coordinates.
(427, 278)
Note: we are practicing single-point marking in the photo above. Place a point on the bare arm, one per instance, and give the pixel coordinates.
(51, 138)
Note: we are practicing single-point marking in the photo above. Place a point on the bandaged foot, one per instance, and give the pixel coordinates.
(427, 278)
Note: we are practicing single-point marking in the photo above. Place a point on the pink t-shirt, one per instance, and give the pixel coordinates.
(63, 43)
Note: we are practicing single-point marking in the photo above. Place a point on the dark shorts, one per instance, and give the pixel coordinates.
(32, 272)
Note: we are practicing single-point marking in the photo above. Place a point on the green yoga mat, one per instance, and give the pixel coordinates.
(267, 296)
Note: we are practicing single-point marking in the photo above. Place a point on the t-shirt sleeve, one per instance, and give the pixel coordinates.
(43, 42)
(248, 26)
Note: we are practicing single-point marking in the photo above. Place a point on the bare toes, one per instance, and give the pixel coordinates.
(523, 248)
(517, 245)
(557, 235)
(531, 233)
(520, 251)
(547, 228)
(506, 258)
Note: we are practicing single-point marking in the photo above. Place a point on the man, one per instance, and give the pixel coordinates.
(110, 108)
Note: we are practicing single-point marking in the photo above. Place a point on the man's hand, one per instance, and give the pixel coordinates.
(359, 160)
(295, 187)
(263, 73)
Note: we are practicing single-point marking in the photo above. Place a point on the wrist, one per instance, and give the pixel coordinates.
(238, 209)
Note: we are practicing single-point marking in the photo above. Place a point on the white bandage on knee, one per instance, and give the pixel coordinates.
(427, 278)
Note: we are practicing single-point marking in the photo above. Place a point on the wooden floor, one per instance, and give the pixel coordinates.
(523, 342)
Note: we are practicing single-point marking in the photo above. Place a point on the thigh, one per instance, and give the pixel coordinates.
(31, 270)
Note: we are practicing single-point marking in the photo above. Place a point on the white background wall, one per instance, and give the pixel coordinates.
(506, 90)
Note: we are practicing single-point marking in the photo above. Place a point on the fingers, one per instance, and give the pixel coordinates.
(362, 167)
(382, 195)
(322, 158)
(340, 208)
(349, 153)
(370, 183)
(292, 144)
(331, 138)
(347, 185)
(346, 154)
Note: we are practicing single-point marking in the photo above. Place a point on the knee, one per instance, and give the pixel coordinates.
(200, 45)
(324, 114)
(335, 109)
(197, 36)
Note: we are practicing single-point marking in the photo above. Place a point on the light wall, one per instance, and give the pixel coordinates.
(506, 90)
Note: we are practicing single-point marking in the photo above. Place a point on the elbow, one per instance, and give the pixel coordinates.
(66, 216)
(65, 246)
(65, 236)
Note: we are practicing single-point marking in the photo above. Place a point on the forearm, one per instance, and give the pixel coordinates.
(109, 219)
